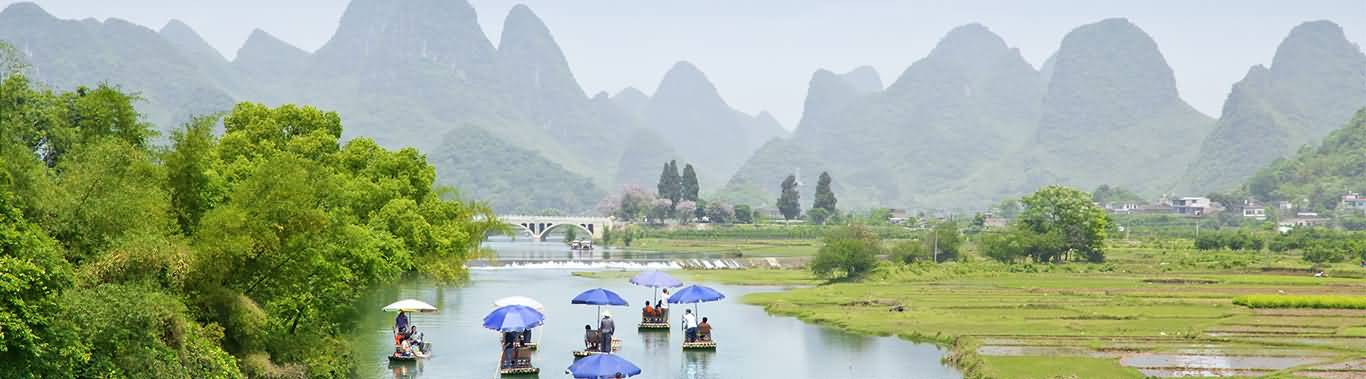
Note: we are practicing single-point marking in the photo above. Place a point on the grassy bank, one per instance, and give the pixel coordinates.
(1047, 324)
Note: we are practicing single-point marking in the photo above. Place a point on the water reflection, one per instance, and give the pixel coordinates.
(697, 363)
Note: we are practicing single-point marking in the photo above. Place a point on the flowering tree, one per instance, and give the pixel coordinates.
(635, 203)
(685, 210)
(720, 213)
(660, 209)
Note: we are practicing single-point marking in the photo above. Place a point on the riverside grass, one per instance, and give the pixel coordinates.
(1302, 301)
(1144, 300)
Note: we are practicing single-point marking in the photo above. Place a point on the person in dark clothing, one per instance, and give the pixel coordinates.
(526, 337)
(605, 329)
(509, 348)
(588, 340)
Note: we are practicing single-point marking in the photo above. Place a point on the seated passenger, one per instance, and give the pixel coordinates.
(648, 312)
(704, 330)
(589, 337)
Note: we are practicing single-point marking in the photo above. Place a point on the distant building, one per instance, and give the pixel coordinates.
(1302, 219)
(1353, 200)
(1253, 210)
(1194, 206)
(1122, 207)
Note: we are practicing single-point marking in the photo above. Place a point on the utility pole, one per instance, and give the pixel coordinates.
(936, 245)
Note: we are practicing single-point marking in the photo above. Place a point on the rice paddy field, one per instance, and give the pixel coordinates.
(1147, 313)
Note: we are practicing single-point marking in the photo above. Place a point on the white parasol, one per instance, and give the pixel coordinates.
(409, 305)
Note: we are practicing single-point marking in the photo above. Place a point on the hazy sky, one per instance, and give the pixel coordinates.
(761, 53)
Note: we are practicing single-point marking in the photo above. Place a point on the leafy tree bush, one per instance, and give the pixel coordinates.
(721, 213)
(1057, 224)
(255, 243)
(817, 216)
(1229, 239)
(743, 214)
(849, 252)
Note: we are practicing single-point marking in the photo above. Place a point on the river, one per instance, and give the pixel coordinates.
(752, 344)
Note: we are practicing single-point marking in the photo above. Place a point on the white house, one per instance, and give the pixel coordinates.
(1194, 206)
(1353, 200)
(1254, 210)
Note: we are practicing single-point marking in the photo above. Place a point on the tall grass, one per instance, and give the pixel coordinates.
(1302, 301)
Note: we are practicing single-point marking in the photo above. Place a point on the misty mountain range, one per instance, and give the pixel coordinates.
(969, 124)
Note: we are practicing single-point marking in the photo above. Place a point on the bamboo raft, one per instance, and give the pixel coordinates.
(616, 346)
(654, 326)
(699, 345)
(520, 371)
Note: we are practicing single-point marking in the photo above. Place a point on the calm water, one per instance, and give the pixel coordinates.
(752, 344)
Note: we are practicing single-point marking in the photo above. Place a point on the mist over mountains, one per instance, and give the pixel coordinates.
(967, 125)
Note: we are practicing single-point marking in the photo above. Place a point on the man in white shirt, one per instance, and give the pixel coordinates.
(690, 325)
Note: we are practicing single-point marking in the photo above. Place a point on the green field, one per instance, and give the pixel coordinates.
(1084, 320)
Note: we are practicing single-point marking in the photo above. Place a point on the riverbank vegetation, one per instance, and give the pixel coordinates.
(1117, 308)
(222, 255)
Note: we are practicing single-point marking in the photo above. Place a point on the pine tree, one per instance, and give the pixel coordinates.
(675, 184)
(825, 199)
(787, 202)
(689, 186)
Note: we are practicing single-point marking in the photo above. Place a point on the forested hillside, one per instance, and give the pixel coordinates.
(1319, 175)
(514, 179)
(1316, 81)
(219, 256)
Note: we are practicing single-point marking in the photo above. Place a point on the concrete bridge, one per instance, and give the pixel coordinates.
(539, 226)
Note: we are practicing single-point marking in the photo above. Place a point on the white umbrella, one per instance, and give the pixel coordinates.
(409, 305)
(519, 300)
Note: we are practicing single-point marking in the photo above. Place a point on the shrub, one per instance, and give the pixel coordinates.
(849, 252)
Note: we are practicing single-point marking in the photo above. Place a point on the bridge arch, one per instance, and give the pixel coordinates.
(586, 229)
(539, 226)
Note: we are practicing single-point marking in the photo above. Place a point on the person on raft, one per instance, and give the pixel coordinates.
(690, 325)
(605, 329)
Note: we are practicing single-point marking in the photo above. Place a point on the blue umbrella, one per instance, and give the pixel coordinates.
(602, 366)
(696, 294)
(599, 297)
(513, 318)
(655, 279)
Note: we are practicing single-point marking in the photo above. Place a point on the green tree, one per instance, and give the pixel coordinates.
(787, 201)
(689, 185)
(194, 185)
(848, 252)
(721, 213)
(817, 216)
(12, 61)
(825, 199)
(570, 233)
(744, 214)
(1070, 215)
(1106, 194)
(944, 241)
(670, 185)
(32, 276)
